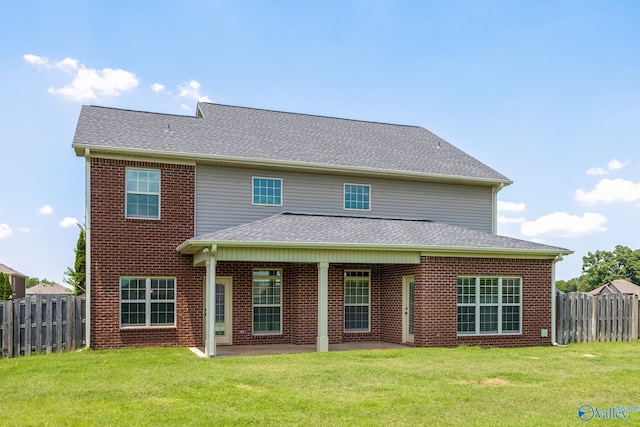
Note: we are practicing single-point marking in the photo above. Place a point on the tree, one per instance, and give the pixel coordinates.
(570, 285)
(77, 275)
(32, 281)
(601, 267)
(6, 292)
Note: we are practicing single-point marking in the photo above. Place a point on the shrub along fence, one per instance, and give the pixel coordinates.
(42, 324)
(582, 317)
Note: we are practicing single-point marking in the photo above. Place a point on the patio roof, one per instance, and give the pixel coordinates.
(294, 230)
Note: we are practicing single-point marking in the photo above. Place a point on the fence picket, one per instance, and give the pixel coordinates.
(35, 323)
(586, 318)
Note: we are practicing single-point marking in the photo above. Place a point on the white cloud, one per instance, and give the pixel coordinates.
(45, 210)
(68, 222)
(510, 206)
(24, 229)
(157, 87)
(90, 83)
(5, 231)
(616, 164)
(561, 224)
(596, 171)
(36, 61)
(192, 90)
(609, 191)
(67, 64)
(507, 220)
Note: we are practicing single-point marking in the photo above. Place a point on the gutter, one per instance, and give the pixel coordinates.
(294, 165)
(553, 300)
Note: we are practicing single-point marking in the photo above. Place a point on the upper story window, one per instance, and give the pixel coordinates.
(267, 191)
(356, 197)
(143, 193)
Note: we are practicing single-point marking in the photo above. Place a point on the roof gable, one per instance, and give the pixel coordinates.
(252, 135)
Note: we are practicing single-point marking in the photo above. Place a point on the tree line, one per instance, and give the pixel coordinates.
(601, 267)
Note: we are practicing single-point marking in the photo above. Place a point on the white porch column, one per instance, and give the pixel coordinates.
(323, 307)
(210, 303)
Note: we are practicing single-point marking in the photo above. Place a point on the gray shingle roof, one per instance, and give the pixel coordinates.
(254, 135)
(304, 229)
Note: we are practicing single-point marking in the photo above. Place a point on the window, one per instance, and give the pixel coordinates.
(356, 301)
(143, 193)
(267, 191)
(147, 301)
(356, 197)
(489, 305)
(267, 301)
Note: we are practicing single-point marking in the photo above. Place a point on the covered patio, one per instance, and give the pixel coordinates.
(265, 349)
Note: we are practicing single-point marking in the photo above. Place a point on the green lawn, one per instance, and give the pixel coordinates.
(463, 386)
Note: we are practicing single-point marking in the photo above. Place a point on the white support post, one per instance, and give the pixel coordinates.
(323, 307)
(210, 303)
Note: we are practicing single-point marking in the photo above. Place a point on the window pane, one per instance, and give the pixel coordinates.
(488, 319)
(266, 319)
(466, 319)
(143, 193)
(267, 191)
(511, 319)
(356, 197)
(356, 318)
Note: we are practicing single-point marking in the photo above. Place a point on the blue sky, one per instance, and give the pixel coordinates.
(545, 92)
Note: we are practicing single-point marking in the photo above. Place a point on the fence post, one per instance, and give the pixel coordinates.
(634, 318)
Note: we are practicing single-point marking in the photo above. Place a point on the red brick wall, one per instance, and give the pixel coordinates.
(145, 248)
(435, 298)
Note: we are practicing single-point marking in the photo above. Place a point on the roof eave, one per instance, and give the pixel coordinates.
(192, 246)
(96, 150)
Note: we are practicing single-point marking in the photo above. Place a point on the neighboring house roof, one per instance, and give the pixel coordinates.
(306, 230)
(263, 137)
(10, 271)
(47, 288)
(618, 286)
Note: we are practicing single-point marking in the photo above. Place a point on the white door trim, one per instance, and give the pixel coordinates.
(406, 310)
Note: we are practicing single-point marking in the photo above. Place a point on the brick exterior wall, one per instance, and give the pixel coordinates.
(123, 247)
(144, 248)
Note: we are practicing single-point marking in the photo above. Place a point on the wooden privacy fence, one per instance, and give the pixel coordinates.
(41, 324)
(585, 318)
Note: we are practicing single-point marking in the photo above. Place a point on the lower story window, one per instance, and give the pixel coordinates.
(147, 301)
(267, 301)
(357, 301)
(489, 305)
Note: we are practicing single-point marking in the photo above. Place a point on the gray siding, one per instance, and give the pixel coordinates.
(224, 198)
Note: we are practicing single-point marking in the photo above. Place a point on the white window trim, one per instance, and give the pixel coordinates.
(368, 304)
(147, 306)
(159, 194)
(344, 195)
(253, 305)
(500, 304)
(253, 187)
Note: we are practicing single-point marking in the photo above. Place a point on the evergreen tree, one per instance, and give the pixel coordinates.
(76, 276)
(5, 287)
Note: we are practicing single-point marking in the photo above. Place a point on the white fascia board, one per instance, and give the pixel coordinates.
(193, 246)
(179, 157)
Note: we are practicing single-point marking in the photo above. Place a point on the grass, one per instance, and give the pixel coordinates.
(463, 386)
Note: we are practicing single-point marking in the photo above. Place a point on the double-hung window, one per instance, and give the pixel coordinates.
(267, 191)
(267, 301)
(357, 300)
(489, 305)
(142, 193)
(147, 301)
(356, 197)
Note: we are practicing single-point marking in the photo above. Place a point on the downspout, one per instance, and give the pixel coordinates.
(494, 207)
(553, 299)
(87, 237)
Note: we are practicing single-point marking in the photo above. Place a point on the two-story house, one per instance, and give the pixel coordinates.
(246, 226)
